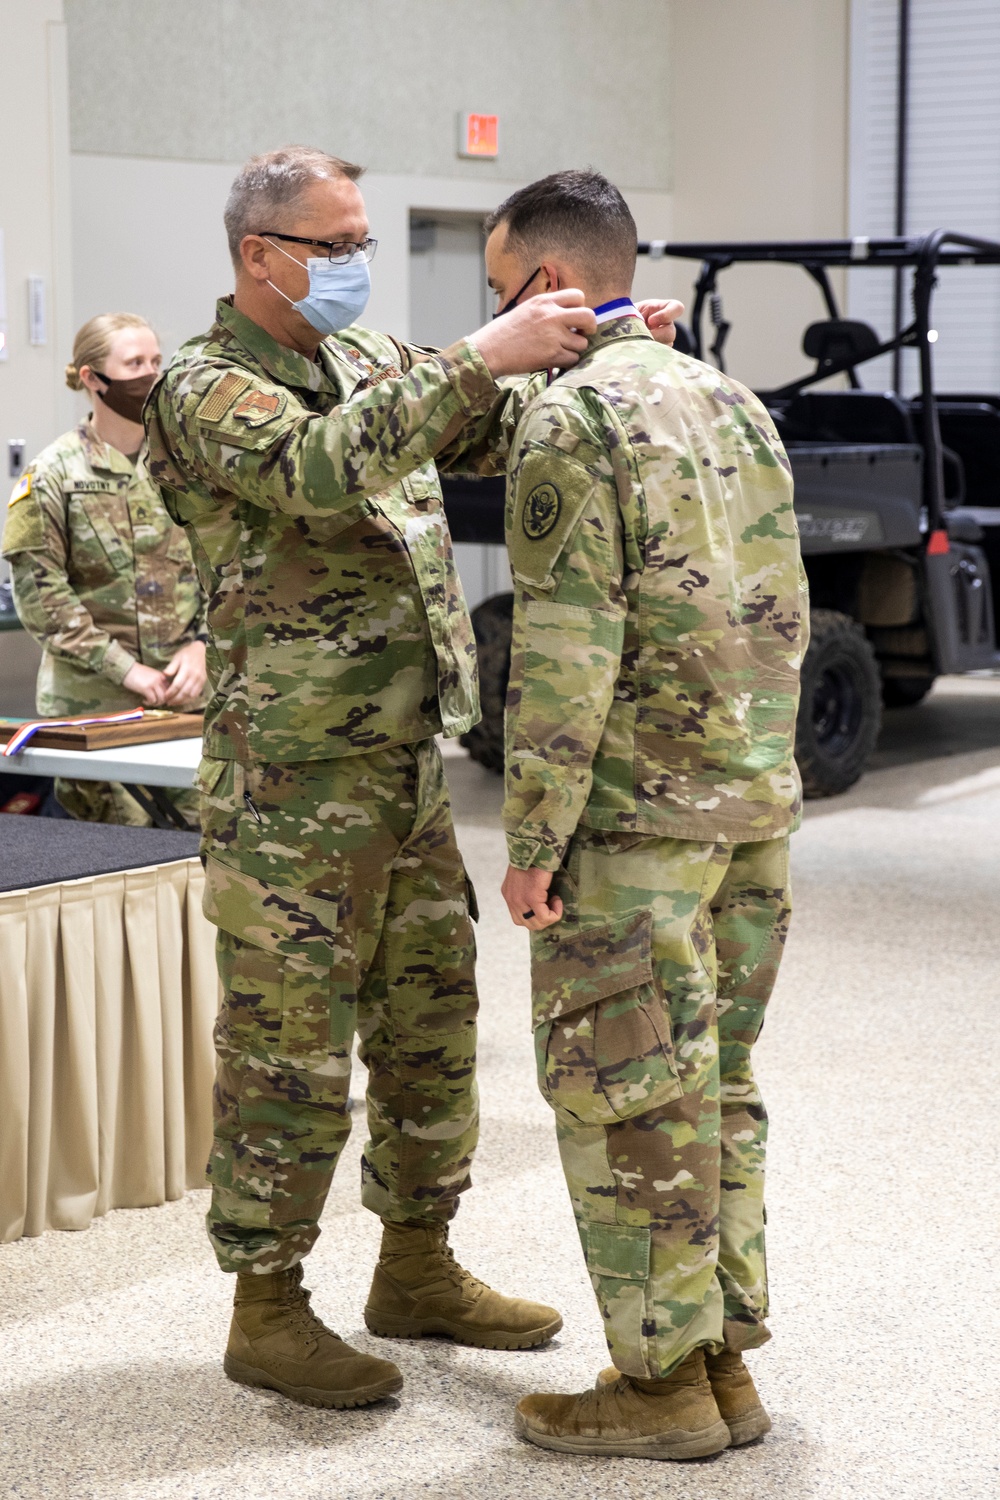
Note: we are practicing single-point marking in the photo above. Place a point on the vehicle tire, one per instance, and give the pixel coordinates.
(492, 622)
(905, 692)
(840, 713)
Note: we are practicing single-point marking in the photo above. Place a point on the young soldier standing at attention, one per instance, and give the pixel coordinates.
(660, 619)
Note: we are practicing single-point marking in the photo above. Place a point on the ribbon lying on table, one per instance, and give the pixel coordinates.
(18, 740)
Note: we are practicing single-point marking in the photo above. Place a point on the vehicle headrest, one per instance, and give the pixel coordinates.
(839, 340)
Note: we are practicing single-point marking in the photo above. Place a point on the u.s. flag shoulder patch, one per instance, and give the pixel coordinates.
(22, 489)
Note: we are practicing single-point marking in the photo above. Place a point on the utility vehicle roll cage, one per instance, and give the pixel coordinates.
(923, 253)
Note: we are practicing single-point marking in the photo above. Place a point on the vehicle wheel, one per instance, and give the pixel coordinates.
(904, 692)
(840, 713)
(492, 622)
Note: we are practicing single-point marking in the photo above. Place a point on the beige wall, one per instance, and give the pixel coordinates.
(716, 117)
(201, 84)
(760, 147)
(34, 215)
(378, 81)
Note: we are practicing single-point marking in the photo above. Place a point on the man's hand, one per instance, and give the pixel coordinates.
(545, 333)
(661, 317)
(526, 893)
(187, 669)
(147, 683)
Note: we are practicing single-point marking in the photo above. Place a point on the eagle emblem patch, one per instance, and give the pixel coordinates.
(541, 511)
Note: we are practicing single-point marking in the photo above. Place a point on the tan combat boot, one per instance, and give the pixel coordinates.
(675, 1417)
(419, 1288)
(277, 1341)
(735, 1395)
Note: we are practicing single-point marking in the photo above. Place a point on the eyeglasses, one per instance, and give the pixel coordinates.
(341, 252)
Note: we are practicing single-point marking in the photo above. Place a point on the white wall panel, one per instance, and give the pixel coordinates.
(953, 170)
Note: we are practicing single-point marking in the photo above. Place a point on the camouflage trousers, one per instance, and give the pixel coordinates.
(647, 999)
(343, 907)
(109, 802)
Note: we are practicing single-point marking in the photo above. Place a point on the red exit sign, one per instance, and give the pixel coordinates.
(478, 135)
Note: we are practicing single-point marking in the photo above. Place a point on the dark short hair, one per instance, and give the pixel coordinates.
(269, 189)
(578, 212)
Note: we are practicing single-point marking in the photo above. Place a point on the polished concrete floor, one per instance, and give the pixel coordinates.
(879, 1063)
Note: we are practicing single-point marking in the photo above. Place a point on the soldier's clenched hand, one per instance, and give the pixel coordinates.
(547, 332)
(526, 893)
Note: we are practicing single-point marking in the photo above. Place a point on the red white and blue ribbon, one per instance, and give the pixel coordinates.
(27, 731)
(620, 307)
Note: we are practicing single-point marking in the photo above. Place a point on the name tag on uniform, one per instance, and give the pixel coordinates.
(90, 487)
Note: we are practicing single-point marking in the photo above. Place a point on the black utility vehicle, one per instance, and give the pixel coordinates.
(897, 498)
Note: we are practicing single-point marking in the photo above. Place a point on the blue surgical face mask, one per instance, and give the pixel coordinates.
(337, 295)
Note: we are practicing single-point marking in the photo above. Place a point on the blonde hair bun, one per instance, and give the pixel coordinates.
(73, 378)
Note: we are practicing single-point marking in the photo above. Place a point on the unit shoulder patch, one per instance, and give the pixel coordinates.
(257, 408)
(541, 511)
(221, 397)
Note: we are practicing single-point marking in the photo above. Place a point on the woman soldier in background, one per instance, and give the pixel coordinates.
(102, 578)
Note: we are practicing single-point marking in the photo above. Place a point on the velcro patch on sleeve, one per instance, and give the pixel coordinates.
(566, 441)
(221, 397)
(24, 525)
(257, 408)
(549, 501)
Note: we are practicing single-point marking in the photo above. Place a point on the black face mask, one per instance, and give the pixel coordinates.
(512, 301)
(126, 397)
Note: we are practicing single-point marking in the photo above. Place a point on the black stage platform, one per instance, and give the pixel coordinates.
(43, 851)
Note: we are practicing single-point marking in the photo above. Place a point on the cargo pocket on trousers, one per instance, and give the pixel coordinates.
(603, 1042)
(306, 998)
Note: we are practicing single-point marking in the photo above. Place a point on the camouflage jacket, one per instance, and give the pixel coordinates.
(102, 577)
(660, 606)
(336, 617)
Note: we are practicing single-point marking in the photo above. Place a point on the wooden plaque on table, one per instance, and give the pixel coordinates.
(154, 725)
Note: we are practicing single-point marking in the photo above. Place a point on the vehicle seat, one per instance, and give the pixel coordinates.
(838, 340)
(848, 417)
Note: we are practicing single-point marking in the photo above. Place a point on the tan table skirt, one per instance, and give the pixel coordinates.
(108, 994)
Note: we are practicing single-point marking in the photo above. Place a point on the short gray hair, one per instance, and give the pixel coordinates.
(270, 188)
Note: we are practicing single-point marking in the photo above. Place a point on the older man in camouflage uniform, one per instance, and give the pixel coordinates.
(659, 623)
(340, 645)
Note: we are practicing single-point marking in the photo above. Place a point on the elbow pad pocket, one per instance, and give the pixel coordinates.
(571, 661)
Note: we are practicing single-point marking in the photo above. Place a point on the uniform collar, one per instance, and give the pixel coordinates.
(328, 372)
(618, 319)
(101, 455)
